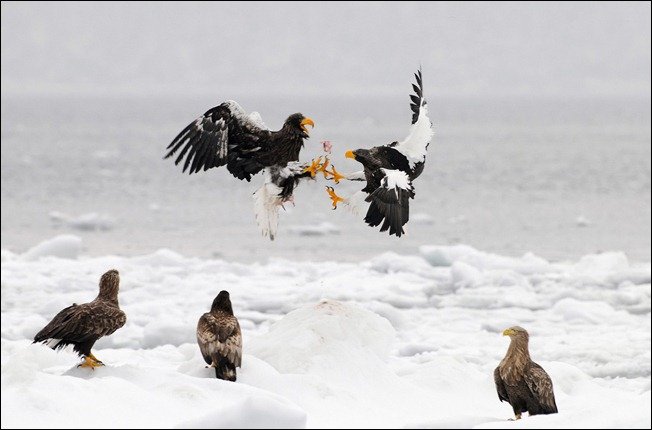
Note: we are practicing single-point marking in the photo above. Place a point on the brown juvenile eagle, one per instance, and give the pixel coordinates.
(220, 339)
(226, 135)
(522, 382)
(390, 170)
(82, 325)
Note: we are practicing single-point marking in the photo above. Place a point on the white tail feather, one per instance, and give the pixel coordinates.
(266, 206)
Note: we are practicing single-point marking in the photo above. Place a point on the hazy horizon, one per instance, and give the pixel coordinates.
(476, 49)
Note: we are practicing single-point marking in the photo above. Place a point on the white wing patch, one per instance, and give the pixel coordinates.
(415, 146)
(253, 119)
(396, 179)
(223, 138)
(257, 120)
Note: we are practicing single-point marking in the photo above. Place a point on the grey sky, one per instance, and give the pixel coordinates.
(466, 49)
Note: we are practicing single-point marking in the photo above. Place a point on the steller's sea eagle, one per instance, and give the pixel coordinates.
(82, 325)
(220, 339)
(390, 169)
(520, 381)
(226, 135)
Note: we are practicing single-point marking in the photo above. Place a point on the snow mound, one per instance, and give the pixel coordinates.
(62, 246)
(399, 341)
(251, 413)
(329, 331)
(446, 255)
(86, 222)
(321, 229)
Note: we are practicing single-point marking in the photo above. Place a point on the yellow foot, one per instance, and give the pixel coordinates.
(314, 167)
(322, 167)
(90, 362)
(95, 359)
(334, 197)
(337, 176)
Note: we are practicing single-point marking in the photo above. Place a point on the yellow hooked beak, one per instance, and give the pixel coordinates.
(305, 122)
(349, 154)
(508, 332)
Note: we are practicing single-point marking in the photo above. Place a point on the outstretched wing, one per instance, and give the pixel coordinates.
(225, 134)
(415, 145)
(81, 323)
(540, 385)
(390, 202)
(220, 336)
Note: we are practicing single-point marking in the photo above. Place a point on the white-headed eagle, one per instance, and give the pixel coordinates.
(226, 136)
(390, 170)
(82, 325)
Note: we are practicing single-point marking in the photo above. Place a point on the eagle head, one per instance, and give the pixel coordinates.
(298, 123)
(222, 303)
(109, 285)
(516, 333)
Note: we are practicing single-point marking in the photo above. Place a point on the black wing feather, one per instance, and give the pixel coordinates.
(418, 98)
(215, 139)
(390, 206)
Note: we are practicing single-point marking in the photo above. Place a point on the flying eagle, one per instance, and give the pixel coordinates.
(390, 170)
(520, 381)
(82, 325)
(220, 339)
(226, 135)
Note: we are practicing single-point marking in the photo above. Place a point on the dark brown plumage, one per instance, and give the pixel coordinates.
(82, 325)
(520, 381)
(220, 339)
(226, 135)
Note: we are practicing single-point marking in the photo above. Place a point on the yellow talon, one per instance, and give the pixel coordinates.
(334, 197)
(322, 168)
(314, 167)
(95, 359)
(90, 361)
(337, 176)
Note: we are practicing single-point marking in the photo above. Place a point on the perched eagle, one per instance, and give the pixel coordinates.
(522, 382)
(390, 169)
(226, 135)
(82, 325)
(220, 339)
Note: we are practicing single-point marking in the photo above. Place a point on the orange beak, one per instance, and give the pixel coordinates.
(349, 154)
(305, 122)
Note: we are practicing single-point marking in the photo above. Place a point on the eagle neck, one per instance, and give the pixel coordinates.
(512, 367)
(108, 293)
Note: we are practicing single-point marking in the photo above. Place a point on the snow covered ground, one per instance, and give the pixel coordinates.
(394, 341)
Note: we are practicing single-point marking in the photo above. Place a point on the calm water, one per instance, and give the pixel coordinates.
(561, 178)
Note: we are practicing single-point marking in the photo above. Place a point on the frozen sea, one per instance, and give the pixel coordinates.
(559, 177)
(530, 212)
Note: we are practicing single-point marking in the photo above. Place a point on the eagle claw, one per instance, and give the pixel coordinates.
(336, 176)
(334, 197)
(315, 166)
(91, 361)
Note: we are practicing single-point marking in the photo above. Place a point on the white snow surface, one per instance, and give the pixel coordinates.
(396, 341)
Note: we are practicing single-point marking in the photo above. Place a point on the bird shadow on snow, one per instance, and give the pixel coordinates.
(124, 371)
